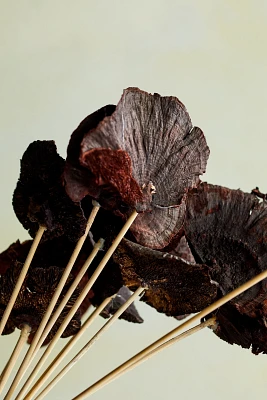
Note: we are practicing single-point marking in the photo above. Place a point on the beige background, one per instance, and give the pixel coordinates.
(61, 60)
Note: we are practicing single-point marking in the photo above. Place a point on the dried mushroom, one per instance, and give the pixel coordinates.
(236, 328)
(131, 314)
(227, 230)
(34, 298)
(175, 287)
(40, 198)
(145, 155)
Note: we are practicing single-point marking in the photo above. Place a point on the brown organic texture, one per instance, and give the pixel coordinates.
(79, 181)
(57, 252)
(46, 269)
(162, 154)
(40, 198)
(236, 328)
(34, 298)
(175, 287)
(131, 314)
(183, 250)
(227, 230)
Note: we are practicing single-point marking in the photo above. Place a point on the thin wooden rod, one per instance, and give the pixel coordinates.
(29, 356)
(178, 338)
(109, 377)
(84, 350)
(65, 351)
(24, 334)
(21, 278)
(69, 293)
(76, 305)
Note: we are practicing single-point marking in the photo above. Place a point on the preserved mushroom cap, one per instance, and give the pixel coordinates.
(174, 286)
(40, 198)
(145, 155)
(227, 230)
(236, 328)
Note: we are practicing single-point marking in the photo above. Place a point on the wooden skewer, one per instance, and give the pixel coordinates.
(109, 377)
(65, 351)
(21, 278)
(67, 296)
(29, 356)
(82, 352)
(178, 338)
(76, 305)
(24, 334)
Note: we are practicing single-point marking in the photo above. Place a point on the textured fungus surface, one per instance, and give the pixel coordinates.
(227, 230)
(145, 154)
(236, 328)
(175, 287)
(34, 298)
(49, 262)
(131, 314)
(40, 198)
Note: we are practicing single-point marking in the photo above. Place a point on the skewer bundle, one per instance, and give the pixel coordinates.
(126, 212)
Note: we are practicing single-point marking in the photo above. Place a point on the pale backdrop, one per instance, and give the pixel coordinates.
(61, 60)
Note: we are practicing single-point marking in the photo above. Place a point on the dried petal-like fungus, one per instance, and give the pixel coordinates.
(78, 179)
(131, 314)
(46, 269)
(227, 230)
(174, 286)
(40, 198)
(35, 296)
(145, 155)
(182, 250)
(236, 328)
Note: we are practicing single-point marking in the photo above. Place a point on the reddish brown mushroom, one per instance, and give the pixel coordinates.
(145, 155)
(227, 230)
(175, 287)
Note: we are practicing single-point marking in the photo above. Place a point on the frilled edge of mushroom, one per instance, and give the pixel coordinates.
(174, 286)
(235, 328)
(78, 180)
(40, 198)
(226, 229)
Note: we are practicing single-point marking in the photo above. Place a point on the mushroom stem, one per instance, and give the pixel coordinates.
(82, 352)
(21, 278)
(24, 334)
(138, 357)
(33, 347)
(77, 304)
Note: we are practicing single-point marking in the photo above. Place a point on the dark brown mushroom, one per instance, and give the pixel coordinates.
(40, 198)
(144, 156)
(236, 328)
(53, 255)
(227, 230)
(34, 298)
(175, 287)
(131, 314)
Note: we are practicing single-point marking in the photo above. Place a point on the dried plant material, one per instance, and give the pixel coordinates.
(227, 230)
(175, 287)
(40, 198)
(40, 283)
(15, 252)
(10, 326)
(131, 314)
(145, 155)
(182, 250)
(235, 328)
(78, 179)
(34, 298)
